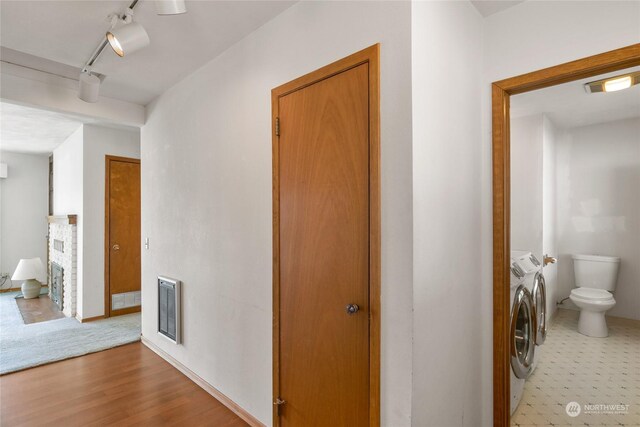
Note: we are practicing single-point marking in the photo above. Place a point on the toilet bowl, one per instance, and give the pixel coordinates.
(596, 278)
(593, 304)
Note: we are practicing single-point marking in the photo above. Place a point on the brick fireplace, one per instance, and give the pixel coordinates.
(63, 262)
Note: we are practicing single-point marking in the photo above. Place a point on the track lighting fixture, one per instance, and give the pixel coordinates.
(124, 37)
(170, 7)
(127, 36)
(88, 86)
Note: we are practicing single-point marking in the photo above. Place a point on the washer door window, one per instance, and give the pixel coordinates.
(523, 330)
(539, 296)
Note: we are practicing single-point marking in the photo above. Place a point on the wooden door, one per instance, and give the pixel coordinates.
(323, 266)
(122, 230)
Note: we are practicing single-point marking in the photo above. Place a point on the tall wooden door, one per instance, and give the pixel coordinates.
(326, 228)
(122, 234)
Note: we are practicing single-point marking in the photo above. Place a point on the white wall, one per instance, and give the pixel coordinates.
(447, 367)
(526, 184)
(206, 146)
(99, 141)
(549, 212)
(24, 206)
(533, 194)
(68, 196)
(599, 204)
(206, 204)
(79, 185)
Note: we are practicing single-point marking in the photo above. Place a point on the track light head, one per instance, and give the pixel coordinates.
(88, 87)
(170, 7)
(127, 38)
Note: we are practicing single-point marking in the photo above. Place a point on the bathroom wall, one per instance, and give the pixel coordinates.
(598, 211)
(526, 183)
(24, 206)
(549, 212)
(533, 193)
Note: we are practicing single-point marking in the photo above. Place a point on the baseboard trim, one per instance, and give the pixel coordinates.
(553, 317)
(88, 319)
(217, 394)
(16, 289)
(625, 320)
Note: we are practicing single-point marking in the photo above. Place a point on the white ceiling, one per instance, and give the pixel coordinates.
(31, 130)
(69, 31)
(568, 105)
(489, 7)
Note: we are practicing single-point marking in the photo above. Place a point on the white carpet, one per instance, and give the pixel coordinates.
(24, 346)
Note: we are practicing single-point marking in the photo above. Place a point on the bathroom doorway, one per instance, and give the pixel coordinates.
(566, 143)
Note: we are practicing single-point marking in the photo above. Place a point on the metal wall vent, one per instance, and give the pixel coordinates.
(169, 308)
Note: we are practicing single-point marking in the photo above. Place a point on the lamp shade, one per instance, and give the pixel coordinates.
(170, 7)
(128, 38)
(28, 269)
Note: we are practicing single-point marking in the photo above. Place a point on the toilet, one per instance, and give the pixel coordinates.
(596, 278)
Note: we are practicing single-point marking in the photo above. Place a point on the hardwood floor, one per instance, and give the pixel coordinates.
(40, 309)
(124, 386)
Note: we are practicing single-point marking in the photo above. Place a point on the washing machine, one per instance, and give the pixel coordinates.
(522, 329)
(535, 282)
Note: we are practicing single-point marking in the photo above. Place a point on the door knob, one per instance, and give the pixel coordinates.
(546, 259)
(352, 308)
(116, 247)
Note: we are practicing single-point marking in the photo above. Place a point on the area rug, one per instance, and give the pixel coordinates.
(25, 346)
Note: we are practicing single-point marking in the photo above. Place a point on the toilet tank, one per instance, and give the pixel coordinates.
(596, 271)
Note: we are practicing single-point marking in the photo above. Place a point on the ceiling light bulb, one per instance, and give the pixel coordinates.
(613, 83)
(115, 45)
(617, 84)
(88, 87)
(170, 7)
(128, 38)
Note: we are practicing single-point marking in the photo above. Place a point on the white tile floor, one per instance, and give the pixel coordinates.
(589, 371)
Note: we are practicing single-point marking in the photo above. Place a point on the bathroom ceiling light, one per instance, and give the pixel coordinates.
(126, 36)
(617, 84)
(170, 7)
(88, 87)
(613, 84)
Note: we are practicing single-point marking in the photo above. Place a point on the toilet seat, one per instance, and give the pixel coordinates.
(590, 294)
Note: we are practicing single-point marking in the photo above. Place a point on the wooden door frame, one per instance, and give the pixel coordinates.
(502, 90)
(107, 227)
(370, 56)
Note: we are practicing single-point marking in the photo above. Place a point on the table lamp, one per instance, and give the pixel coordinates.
(29, 270)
